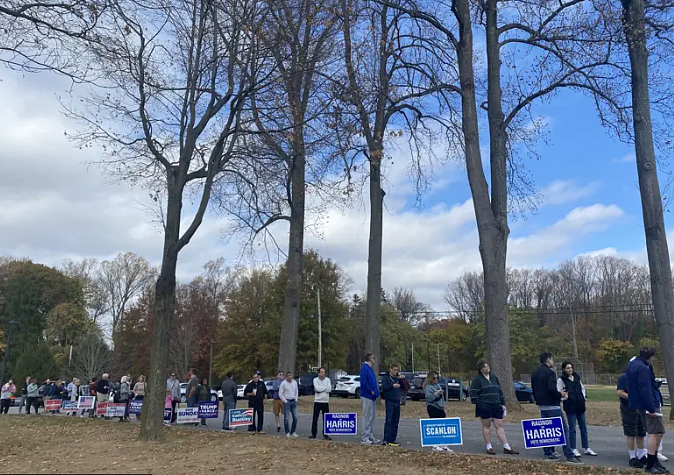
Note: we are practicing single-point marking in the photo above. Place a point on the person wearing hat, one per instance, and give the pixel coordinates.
(645, 397)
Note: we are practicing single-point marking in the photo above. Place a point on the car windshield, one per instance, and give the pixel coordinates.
(344, 379)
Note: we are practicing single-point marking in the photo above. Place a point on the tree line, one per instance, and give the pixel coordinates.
(259, 108)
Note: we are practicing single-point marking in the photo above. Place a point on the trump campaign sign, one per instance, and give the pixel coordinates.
(208, 410)
(441, 431)
(340, 424)
(135, 406)
(545, 432)
(240, 417)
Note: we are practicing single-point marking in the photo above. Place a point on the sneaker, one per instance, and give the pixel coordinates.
(636, 463)
(294, 435)
(392, 444)
(491, 451)
(510, 451)
(574, 461)
(659, 465)
(657, 470)
(590, 452)
(288, 435)
(550, 457)
(327, 437)
(366, 441)
(643, 460)
(312, 436)
(447, 449)
(262, 432)
(576, 452)
(375, 441)
(662, 458)
(438, 448)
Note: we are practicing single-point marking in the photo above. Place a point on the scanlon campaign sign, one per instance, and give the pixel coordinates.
(441, 431)
(547, 432)
(340, 424)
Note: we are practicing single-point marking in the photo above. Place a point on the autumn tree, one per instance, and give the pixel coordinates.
(178, 75)
(88, 272)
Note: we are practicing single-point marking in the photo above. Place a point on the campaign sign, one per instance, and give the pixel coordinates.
(70, 406)
(87, 402)
(240, 417)
(188, 415)
(208, 410)
(168, 413)
(53, 405)
(547, 432)
(102, 409)
(441, 431)
(116, 409)
(340, 424)
(135, 406)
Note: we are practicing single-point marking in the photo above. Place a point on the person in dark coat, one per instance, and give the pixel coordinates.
(574, 406)
(391, 388)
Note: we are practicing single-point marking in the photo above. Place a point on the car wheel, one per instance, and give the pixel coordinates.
(357, 393)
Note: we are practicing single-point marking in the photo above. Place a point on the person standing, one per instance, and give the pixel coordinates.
(93, 393)
(47, 389)
(124, 393)
(173, 385)
(74, 392)
(204, 396)
(103, 390)
(70, 387)
(322, 388)
(369, 392)
(60, 393)
(548, 400)
(24, 394)
(490, 406)
(277, 403)
(574, 406)
(435, 403)
(645, 398)
(139, 390)
(32, 396)
(6, 394)
(192, 391)
(391, 389)
(256, 391)
(633, 427)
(228, 400)
(289, 392)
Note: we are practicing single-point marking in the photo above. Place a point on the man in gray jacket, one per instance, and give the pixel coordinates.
(228, 400)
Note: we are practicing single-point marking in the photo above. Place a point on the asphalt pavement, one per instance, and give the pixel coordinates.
(608, 442)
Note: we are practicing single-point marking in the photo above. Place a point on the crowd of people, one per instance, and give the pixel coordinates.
(563, 397)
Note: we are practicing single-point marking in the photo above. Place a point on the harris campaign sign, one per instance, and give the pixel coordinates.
(545, 432)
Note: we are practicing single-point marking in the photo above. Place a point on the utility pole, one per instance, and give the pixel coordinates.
(413, 357)
(438, 346)
(320, 330)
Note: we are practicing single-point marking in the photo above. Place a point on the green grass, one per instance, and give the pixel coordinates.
(601, 393)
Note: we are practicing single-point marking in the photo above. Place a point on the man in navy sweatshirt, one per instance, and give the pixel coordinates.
(391, 388)
(369, 392)
(644, 396)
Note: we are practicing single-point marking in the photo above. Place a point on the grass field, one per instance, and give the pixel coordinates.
(71, 445)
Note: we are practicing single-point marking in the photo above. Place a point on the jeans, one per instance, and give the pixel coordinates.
(392, 420)
(572, 430)
(226, 406)
(568, 453)
(23, 401)
(318, 408)
(369, 414)
(289, 408)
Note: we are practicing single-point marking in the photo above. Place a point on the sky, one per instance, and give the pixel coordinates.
(56, 206)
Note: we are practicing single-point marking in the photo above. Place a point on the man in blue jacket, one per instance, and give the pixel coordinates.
(369, 392)
(392, 391)
(645, 398)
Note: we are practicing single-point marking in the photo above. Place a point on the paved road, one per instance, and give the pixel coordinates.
(607, 441)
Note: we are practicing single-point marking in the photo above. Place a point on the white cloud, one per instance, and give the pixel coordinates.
(629, 158)
(561, 192)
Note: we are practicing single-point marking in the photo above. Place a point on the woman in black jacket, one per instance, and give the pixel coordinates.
(574, 406)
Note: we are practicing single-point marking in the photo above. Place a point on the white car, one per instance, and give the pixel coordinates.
(239, 391)
(348, 385)
(183, 389)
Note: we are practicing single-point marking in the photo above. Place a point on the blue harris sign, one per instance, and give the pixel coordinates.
(340, 424)
(545, 432)
(441, 431)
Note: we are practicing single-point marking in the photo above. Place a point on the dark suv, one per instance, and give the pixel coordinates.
(453, 388)
(305, 383)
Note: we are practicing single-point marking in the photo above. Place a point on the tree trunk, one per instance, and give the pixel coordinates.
(374, 259)
(165, 304)
(651, 200)
(291, 308)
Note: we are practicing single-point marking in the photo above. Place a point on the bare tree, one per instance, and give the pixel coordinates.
(178, 76)
(91, 356)
(88, 271)
(465, 296)
(409, 309)
(122, 280)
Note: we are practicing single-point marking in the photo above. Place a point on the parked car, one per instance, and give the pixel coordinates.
(383, 374)
(664, 390)
(523, 392)
(453, 388)
(305, 383)
(183, 389)
(416, 391)
(239, 391)
(348, 385)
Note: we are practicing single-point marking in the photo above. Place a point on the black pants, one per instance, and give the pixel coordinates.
(258, 418)
(4, 406)
(392, 420)
(318, 408)
(32, 401)
(435, 413)
(174, 406)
